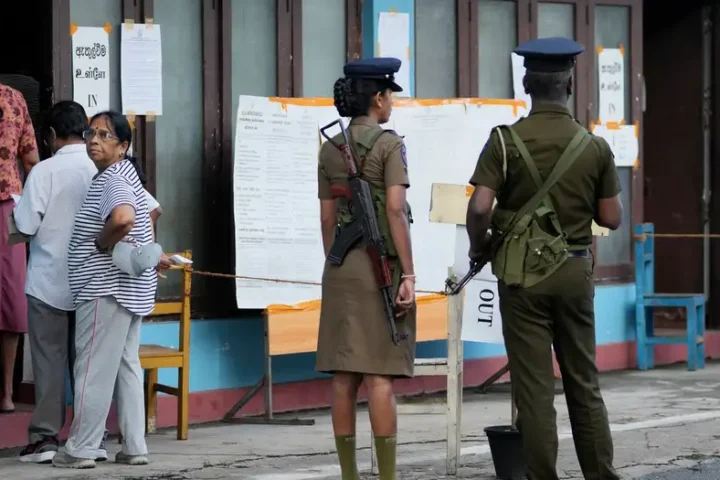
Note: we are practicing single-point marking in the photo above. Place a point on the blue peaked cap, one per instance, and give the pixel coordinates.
(548, 55)
(377, 68)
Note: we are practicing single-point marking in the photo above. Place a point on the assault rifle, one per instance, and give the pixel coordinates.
(453, 288)
(364, 227)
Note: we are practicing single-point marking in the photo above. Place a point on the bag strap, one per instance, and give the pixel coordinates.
(576, 146)
(532, 167)
(367, 141)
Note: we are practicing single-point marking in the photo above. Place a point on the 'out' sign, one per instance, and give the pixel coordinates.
(482, 321)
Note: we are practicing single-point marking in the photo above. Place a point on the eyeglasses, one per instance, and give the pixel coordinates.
(104, 135)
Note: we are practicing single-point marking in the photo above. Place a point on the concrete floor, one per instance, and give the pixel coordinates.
(666, 425)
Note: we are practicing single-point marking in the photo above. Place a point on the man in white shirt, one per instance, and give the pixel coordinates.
(53, 193)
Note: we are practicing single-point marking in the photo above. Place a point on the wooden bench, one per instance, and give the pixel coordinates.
(155, 357)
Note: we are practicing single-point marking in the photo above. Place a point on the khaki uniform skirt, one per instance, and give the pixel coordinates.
(354, 333)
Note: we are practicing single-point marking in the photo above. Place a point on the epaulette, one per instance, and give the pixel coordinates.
(390, 130)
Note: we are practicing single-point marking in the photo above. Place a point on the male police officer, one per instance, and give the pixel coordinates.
(552, 179)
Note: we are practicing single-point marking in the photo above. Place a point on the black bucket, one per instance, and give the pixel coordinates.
(506, 449)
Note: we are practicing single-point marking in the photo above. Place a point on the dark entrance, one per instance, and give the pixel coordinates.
(27, 59)
(27, 66)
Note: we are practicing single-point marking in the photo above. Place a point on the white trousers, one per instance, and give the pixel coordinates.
(107, 340)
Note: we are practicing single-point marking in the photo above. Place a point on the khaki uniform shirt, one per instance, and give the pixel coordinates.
(385, 165)
(546, 132)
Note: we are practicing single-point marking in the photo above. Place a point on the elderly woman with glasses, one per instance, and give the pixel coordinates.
(110, 302)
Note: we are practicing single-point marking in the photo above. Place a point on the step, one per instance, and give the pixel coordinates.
(427, 367)
(422, 406)
(672, 340)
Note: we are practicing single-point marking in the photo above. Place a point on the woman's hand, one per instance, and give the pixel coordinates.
(165, 264)
(406, 294)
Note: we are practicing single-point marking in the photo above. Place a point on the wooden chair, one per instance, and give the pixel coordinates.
(646, 299)
(154, 357)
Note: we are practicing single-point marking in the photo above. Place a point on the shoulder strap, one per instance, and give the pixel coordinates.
(498, 130)
(532, 168)
(368, 138)
(366, 141)
(571, 153)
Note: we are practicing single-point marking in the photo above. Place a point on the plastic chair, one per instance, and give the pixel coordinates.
(646, 299)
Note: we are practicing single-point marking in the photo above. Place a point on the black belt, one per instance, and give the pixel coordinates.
(584, 253)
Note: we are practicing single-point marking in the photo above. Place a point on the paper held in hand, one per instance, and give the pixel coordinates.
(180, 260)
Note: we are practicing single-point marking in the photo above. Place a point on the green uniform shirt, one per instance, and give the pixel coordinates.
(546, 132)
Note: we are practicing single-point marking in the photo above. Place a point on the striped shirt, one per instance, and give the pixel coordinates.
(92, 273)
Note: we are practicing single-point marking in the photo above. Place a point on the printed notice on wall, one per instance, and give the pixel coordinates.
(611, 84)
(277, 224)
(394, 41)
(275, 203)
(141, 69)
(91, 67)
(623, 141)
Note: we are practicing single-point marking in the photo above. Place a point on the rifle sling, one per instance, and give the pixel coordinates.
(576, 146)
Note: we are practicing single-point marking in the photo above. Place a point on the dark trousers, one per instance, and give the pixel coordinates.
(52, 350)
(557, 312)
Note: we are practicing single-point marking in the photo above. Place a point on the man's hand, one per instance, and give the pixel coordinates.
(481, 249)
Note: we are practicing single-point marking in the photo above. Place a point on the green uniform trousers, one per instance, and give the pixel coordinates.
(558, 312)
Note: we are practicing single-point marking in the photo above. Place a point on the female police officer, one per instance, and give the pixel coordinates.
(354, 343)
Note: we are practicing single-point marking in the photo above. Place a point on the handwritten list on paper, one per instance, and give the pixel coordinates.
(141, 69)
(276, 206)
(394, 41)
(611, 84)
(623, 142)
(91, 67)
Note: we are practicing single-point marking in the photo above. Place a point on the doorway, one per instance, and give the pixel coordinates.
(28, 68)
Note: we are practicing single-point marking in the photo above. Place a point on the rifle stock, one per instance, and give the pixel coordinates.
(364, 227)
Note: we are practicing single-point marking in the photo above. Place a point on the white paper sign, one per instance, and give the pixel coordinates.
(481, 320)
(518, 72)
(394, 41)
(91, 69)
(481, 313)
(141, 69)
(623, 142)
(611, 85)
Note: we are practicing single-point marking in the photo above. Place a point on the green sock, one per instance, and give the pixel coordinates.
(345, 445)
(386, 448)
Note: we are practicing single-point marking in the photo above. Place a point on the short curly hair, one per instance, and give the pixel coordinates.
(548, 86)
